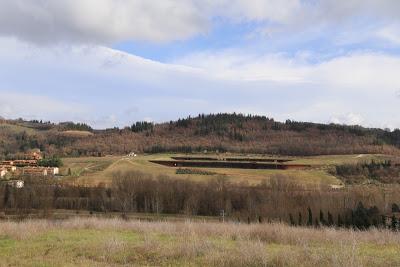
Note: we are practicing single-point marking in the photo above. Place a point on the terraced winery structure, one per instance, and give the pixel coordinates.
(237, 163)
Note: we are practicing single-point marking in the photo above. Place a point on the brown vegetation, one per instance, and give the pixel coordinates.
(385, 172)
(221, 132)
(281, 199)
(116, 242)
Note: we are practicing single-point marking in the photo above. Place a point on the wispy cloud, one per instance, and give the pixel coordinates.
(275, 85)
(390, 33)
(99, 21)
(109, 21)
(30, 106)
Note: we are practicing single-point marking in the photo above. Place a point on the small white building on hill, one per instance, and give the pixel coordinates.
(3, 172)
(16, 183)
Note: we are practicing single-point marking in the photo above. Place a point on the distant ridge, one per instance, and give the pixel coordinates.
(224, 132)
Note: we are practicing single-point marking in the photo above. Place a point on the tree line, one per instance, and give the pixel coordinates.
(385, 172)
(276, 200)
(224, 132)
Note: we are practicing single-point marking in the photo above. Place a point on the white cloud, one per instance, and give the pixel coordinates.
(119, 88)
(390, 33)
(30, 106)
(280, 11)
(348, 119)
(111, 21)
(100, 21)
(361, 71)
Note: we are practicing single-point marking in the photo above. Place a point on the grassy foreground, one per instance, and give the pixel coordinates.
(115, 242)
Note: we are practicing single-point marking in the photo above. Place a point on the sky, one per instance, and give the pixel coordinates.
(113, 62)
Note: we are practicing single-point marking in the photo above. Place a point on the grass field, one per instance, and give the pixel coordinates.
(115, 242)
(94, 170)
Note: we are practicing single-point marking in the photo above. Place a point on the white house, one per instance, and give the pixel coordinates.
(132, 154)
(9, 168)
(53, 171)
(3, 173)
(16, 183)
(35, 171)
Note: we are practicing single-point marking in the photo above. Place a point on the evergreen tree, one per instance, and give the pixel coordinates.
(321, 218)
(340, 221)
(330, 219)
(310, 217)
(361, 217)
(394, 223)
(291, 219)
(395, 208)
(383, 221)
(300, 220)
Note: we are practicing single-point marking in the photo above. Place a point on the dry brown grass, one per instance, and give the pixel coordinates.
(118, 243)
(87, 172)
(267, 233)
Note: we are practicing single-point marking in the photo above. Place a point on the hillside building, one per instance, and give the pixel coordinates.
(16, 183)
(53, 171)
(9, 168)
(25, 163)
(34, 171)
(36, 155)
(3, 172)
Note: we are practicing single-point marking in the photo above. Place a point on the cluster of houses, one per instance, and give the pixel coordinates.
(25, 167)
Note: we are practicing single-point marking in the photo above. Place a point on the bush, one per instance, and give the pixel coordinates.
(50, 162)
(194, 171)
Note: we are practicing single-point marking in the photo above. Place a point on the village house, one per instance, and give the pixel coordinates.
(25, 162)
(16, 183)
(20, 162)
(9, 168)
(36, 155)
(3, 172)
(34, 171)
(7, 163)
(53, 170)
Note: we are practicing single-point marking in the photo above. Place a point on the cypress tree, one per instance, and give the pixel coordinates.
(300, 220)
(383, 220)
(321, 218)
(310, 217)
(347, 220)
(394, 223)
(291, 219)
(339, 221)
(361, 217)
(330, 219)
(395, 208)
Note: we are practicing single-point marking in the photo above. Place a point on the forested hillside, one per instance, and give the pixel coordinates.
(216, 132)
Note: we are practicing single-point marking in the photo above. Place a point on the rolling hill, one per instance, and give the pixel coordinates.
(214, 132)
